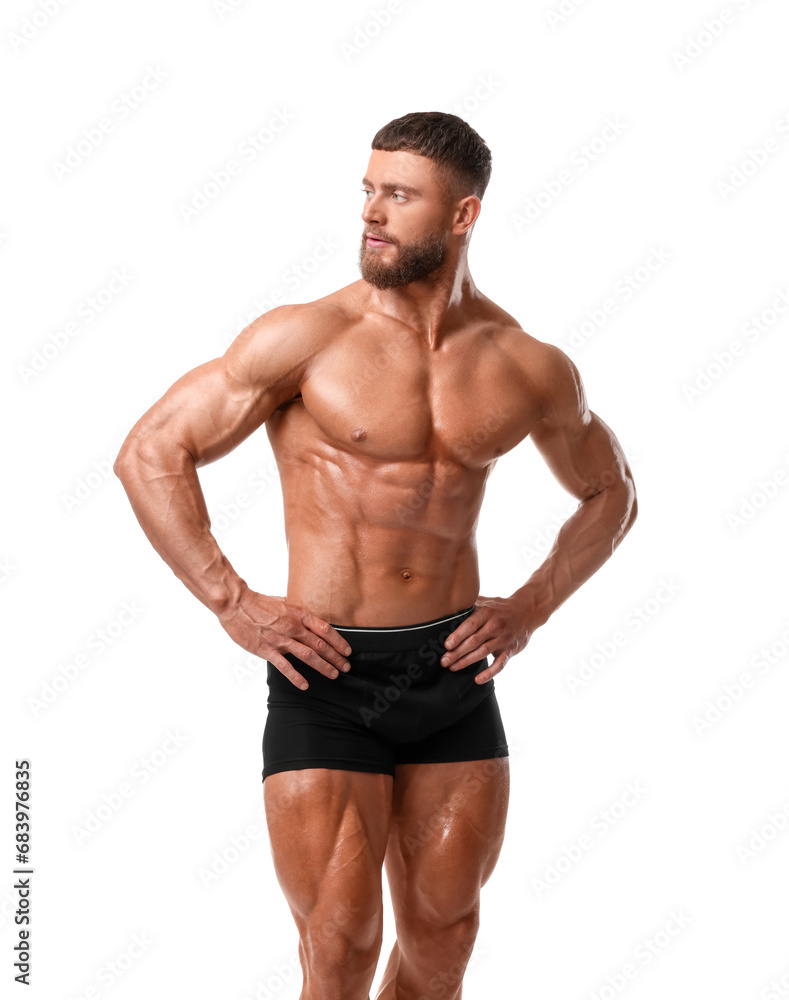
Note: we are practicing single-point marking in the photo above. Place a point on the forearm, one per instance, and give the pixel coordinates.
(165, 494)
(585, 541)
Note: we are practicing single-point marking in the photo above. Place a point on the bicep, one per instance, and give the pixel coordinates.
(211, 409)
(578, 447)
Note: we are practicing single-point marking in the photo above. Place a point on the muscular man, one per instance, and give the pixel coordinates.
(387, 404)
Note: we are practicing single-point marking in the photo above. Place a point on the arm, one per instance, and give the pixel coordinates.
(203, 416)
(585, 457)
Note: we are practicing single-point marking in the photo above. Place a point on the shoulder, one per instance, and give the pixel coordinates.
(309, 322)
(544, 368)
(282, 342)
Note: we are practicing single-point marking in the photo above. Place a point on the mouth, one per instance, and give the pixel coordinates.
(373, 241)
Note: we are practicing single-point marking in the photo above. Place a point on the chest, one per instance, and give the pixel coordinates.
(389, 401)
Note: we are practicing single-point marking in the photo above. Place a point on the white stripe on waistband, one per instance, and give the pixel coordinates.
(406, 628)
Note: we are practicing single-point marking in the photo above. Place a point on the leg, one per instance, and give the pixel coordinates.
(328, 831)
(446, 834)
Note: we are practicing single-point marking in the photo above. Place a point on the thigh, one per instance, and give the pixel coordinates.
(445, 837)
(328, 833)
(322, 727)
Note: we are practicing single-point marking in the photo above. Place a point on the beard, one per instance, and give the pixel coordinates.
(413, 262)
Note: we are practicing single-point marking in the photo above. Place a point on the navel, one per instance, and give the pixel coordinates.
(359, 434)
(406, 574)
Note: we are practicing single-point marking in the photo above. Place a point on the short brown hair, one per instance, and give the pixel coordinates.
(461, 155)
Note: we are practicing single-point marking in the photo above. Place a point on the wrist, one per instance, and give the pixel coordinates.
(227, 603)
(533, 610)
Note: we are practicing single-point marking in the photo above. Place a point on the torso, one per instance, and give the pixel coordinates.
(384, 454)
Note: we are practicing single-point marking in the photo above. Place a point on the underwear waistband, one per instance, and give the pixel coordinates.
(400, 637)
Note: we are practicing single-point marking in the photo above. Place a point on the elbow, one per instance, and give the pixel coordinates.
(631, 516)
(632, 504)
(124, 460)
(119, 466)
(129, 458)
(626, 507)
(152, 452)
(628, 512)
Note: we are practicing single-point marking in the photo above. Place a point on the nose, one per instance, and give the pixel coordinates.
(372, 213)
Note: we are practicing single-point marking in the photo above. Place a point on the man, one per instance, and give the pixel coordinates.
(387, 404)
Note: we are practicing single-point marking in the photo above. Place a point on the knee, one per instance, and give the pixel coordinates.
(450, 938)
(336, 946)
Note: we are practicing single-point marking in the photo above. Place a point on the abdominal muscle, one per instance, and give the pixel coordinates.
(377, 544)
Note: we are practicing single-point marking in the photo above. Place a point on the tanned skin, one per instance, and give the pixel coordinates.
(387, 409)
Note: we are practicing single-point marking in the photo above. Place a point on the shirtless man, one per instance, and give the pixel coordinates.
(387, 404)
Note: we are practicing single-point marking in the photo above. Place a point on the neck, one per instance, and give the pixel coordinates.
(432, 306)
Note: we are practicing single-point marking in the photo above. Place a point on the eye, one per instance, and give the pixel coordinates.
(399, 196)
(365, 192)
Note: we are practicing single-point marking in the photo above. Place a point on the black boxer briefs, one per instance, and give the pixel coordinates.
(396, 705)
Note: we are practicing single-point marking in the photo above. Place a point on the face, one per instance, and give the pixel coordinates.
(407, 220)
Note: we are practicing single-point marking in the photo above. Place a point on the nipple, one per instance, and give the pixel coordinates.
(359, 434)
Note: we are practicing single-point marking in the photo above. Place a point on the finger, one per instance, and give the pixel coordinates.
(313, 658)
(326, 652)
(473, 656)
(287, 669)
(467, 646)
(466, 629)
(325, 631)
(488, 674)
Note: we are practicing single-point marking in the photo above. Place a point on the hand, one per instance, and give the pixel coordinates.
(497, 626)
(269, 626)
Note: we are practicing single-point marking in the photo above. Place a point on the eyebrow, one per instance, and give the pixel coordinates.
(394, 187)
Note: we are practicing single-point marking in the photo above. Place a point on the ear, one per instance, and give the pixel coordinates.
(466, 213)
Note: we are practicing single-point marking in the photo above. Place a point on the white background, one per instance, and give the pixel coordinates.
(697, 106)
